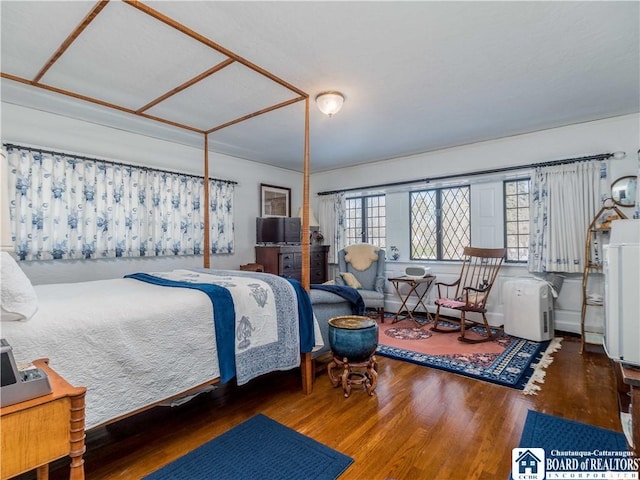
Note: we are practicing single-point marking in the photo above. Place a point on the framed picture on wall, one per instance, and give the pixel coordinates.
(275, 201)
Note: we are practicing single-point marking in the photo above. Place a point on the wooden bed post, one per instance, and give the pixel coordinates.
(207, 227)
(306, 364)
(305, 201)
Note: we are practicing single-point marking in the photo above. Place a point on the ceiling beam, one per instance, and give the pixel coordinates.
(255, 114)
(97, 101)
(187, 84)
(97, 8)
(202, 39)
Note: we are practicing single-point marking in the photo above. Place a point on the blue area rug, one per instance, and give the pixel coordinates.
(509, 361)
(571, 446)
(551, 432)
(260, 449)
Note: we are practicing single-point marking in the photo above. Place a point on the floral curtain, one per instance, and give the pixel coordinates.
(331, 214)
(63, 207)
(564, 200)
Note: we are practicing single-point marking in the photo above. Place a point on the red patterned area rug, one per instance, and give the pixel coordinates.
(509, 361)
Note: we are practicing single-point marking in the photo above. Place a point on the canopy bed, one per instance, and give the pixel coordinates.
(182, 105)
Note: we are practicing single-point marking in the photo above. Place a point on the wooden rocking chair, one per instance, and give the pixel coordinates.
(470, 292)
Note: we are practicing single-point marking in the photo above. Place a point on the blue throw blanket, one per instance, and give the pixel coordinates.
(224, 315)
(348, 293)
(293, 338)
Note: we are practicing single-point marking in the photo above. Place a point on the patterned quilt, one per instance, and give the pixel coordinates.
(253, 310)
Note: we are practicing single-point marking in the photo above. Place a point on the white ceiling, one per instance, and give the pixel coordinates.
(417, 76)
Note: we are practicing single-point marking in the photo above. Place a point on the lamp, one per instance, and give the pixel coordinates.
(329, 103)
(313, 221)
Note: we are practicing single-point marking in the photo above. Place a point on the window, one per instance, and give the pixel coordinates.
(516, 218)
(366, 220)
(440, 223)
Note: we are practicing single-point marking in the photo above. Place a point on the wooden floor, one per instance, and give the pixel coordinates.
(421, 423)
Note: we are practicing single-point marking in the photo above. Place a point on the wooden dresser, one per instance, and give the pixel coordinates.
(286, 260)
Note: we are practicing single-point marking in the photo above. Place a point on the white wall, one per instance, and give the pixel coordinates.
(590, 138)
(27, 126)
(609, 135)
(32, 127)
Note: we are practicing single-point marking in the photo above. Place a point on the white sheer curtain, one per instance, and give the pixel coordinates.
(331, 212)
(564, 200)
(63, 207)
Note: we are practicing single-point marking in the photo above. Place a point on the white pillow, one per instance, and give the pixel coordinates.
(17, 295)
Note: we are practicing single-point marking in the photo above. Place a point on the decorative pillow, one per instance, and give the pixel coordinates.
(17, 295)
(350, 280)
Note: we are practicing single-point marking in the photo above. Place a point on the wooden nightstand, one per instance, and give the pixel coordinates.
(41, 430)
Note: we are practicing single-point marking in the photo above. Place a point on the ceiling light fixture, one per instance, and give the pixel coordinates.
(329, 103)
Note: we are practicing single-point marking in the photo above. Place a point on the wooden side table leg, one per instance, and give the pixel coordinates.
(43, 472)
(410, 312)
(404, 306)
(77, 436)
(426, 310)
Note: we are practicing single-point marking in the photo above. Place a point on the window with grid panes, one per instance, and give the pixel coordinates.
(516, 219)
(365, 219)
(440, 223)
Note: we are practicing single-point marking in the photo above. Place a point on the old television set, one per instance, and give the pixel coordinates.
(278, 230)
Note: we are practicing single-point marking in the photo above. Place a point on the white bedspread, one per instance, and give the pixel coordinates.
(121, 335)
(133, 344)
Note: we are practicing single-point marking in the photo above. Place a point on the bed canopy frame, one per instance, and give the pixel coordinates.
(143, 111)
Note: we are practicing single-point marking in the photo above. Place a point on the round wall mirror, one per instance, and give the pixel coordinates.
(623, 191)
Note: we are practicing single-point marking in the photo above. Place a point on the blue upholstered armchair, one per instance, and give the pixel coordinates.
(362, 266)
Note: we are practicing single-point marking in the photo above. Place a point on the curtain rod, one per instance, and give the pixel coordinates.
(110, 162)
(599, 157)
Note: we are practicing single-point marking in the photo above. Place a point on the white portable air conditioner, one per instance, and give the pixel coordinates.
(528, 309)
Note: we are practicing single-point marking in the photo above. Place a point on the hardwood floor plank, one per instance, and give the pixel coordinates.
(421, 423)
